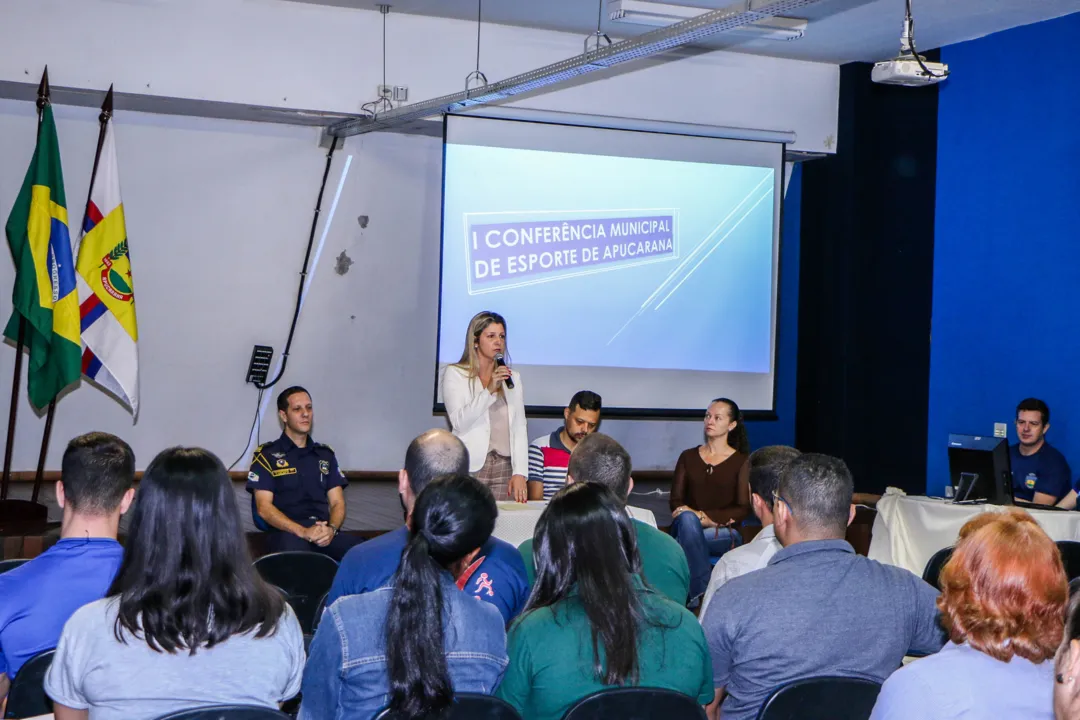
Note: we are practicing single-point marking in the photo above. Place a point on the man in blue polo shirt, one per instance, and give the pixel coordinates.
(37, 598)
(1040, 472)
(497, 575)
(816, 608)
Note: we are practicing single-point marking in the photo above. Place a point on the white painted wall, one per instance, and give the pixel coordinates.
(218, 211)
(218, 215)
(299, 55)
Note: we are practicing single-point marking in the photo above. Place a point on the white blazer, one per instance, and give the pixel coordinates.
(467, 404)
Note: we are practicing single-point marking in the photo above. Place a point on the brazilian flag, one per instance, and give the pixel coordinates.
(45, 295)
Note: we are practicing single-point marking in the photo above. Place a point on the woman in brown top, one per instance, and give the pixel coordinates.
(710, 494)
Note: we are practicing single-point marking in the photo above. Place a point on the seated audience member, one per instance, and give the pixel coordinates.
(766, 465)
(710, 492)
(591, 623)
(817, 608)
(600, 459)
(37, 598)
(496, 575)
(1040, 472)
(297, 485)
(1003, 598)
(188, 622)
(415, 643)
(1067, 669)
(549, 455)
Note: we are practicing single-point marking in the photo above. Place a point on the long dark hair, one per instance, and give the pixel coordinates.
(453, 516)
(584, 538)
(737, 439)
(186, 581)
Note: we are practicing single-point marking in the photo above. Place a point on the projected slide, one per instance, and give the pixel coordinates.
(604, 264)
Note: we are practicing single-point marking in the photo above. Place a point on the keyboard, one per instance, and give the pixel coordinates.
(1036, 506)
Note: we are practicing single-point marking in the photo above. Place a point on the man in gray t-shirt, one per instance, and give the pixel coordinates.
(817, 608)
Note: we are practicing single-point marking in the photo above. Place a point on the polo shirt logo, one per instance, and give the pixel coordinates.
(1029, 481)
(483, 584)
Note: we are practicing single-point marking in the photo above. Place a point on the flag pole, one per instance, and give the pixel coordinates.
(42, 101)
(103, 121)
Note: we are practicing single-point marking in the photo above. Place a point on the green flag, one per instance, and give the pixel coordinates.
(45, 295)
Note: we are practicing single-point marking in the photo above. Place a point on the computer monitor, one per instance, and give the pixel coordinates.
(979, 469)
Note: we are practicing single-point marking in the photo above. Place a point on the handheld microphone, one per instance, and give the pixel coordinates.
(500, 361)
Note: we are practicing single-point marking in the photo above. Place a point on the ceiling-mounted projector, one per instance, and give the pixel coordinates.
(910, 71)
(909, 68)
(645, 12)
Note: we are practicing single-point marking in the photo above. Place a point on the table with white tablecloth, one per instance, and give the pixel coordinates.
(517, 521)
(908, 530)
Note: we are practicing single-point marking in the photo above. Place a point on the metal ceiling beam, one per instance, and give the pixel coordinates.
(164, 105)
(642, 46)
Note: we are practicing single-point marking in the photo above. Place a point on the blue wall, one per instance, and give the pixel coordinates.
(782, 431)
(1006, 307)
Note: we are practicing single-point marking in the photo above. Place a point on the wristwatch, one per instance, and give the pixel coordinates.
(335, 529)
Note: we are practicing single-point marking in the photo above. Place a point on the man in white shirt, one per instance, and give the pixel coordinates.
(766, 466)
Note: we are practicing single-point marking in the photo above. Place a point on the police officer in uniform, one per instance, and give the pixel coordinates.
(298, 486)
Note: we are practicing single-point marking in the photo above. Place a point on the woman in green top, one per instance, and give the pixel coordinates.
(590, 623)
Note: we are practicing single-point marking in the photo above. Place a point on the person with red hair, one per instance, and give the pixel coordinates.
(1003, 599)
(1067, 679)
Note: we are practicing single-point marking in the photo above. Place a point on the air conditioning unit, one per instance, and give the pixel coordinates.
(644, 12)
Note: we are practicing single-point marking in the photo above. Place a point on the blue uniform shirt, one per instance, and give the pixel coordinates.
(299, 477)
(38, 597)
(1045, 471)
(497, 575)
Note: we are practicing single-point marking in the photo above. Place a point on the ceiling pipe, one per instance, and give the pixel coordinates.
(642, 46)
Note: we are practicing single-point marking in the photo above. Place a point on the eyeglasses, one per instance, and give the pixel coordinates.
(777, 497)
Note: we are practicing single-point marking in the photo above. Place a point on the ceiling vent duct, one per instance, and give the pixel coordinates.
(643, 46)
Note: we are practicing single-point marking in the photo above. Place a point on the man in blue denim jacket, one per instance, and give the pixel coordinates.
(496, 576)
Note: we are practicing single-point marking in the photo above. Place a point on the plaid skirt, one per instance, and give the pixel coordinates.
(496, 475)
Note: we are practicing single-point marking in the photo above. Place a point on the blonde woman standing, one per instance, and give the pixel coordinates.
(486, 411)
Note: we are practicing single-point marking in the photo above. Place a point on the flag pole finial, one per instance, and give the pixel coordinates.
(43, 90)
(107, 107)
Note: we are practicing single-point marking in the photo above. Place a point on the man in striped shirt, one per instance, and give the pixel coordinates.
(550, 454)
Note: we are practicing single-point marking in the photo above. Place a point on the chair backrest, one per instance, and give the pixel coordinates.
(304, 577)
(260, 524)
(319, 607)
(22, 511)
(26, 696)
(6, 565)
(822, 698)
(227, 712)
(636, 703)
(470, 706)
(932, 573)
(1074, 587)
(1070, 557)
